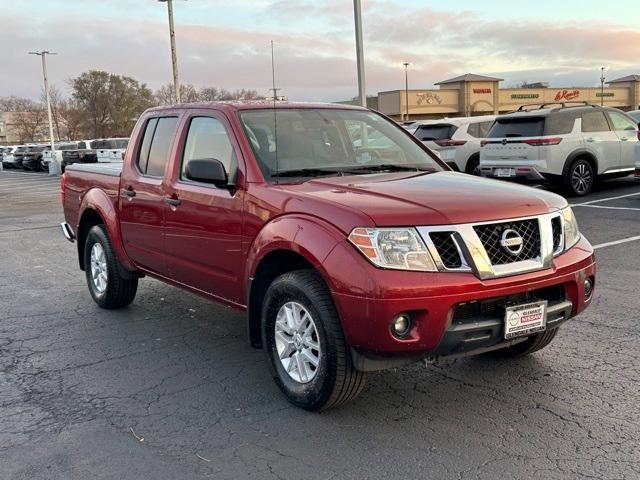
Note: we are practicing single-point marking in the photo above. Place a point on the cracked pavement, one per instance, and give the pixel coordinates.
(169, 388)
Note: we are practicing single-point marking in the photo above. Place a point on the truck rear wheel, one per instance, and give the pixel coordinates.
(302, 336)
(530, 345)
(107, 286)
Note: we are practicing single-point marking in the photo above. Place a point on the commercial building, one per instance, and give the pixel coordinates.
(472, 94)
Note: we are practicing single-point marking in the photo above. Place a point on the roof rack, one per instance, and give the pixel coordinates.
(540, 106)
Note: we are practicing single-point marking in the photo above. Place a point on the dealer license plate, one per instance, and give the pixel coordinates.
(522, 320)
(505, 172)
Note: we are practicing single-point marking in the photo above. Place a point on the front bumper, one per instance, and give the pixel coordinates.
(369, 298)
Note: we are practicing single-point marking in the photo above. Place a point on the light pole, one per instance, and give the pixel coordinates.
(357, 14)
(174, 55)
(602, 79)
(406, 90)
(43, 54)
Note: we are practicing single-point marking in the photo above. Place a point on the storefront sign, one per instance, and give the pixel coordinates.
(605, 94)
(524, 96)
(481, 90)
(428, 98)
(567, 95)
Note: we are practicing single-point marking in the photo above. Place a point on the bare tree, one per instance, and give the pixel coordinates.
(29, 119)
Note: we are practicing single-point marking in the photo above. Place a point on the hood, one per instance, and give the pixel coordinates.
(440, 198)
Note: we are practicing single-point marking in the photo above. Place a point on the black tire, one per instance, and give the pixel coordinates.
(473, 166)
(119, 291)
(336, 381)
(530, 345)
(580, 178)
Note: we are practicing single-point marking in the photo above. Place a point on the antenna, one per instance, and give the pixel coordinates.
(275, 113)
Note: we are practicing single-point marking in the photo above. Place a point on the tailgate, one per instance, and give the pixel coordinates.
(509, 149)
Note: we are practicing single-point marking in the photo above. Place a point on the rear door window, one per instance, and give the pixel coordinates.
(435, 132)
(594, 122)
(160, 145)
(517, 127)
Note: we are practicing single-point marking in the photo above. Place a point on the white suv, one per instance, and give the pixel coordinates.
(457, 140)
(571, 144)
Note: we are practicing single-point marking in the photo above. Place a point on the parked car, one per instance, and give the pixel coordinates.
(573, 145)
(85, 153)
(111, 150)
(32, 157)
(456, 139)
(18, 155)
(346, 259)
(635, 114)
(48, 155)
(8, 159)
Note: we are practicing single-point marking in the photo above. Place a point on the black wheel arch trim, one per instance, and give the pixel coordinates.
(582, 152)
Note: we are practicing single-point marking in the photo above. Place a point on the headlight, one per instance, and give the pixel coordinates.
(571, 231)
(398, 248)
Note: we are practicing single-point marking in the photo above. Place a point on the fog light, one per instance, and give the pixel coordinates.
(401, 325)
(588, 288)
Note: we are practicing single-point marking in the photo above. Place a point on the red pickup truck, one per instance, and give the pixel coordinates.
(351, 246)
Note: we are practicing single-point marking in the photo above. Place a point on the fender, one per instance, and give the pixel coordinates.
(306, 235)
(96, 199)
(580, 152)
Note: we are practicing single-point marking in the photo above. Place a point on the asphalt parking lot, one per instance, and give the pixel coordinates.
(169, 388)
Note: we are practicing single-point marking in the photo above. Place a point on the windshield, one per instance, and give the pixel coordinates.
(313, 142)
(435, 132)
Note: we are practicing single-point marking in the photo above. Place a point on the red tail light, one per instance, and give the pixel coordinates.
(638, 134)
(450, 143)
(538, 142)
(637, 173)
(63, 184)
(484, 142)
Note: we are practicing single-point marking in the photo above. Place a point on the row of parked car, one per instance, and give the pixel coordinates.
(572, 144)
(36, 157)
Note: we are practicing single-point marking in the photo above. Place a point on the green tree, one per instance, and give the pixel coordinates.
(112, 103)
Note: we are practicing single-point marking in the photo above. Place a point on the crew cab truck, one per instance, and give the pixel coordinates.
(347, 257)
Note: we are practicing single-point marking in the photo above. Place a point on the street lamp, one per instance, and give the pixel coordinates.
(174, 55)
(357, 13)
(602, 79)
(43, 54)
(406, 89)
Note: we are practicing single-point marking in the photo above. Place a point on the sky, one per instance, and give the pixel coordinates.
(226, 43)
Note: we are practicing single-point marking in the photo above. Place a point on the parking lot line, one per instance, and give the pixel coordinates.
(604, 199)
(616, 242)
(611, 208)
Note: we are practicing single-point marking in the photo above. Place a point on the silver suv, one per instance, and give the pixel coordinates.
(574, 145)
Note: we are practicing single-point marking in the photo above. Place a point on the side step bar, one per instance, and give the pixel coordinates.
(67, 232)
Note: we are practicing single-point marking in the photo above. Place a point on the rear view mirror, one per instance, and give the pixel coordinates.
(207, 170)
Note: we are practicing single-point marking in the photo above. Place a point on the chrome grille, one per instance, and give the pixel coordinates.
(491, 234)
(556, 228)
(447, 249)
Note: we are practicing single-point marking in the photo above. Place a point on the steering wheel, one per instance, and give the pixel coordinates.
(373, 154)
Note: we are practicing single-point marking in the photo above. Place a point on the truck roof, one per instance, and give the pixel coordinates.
(237, 105)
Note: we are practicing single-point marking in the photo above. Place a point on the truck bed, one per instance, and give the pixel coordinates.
(80, 178)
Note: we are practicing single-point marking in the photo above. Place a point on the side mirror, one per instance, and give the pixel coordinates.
(207, 170)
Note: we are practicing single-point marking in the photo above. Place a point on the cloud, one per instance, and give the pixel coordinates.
(315, 52)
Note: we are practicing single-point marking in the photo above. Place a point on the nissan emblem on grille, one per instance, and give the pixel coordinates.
(512, 242)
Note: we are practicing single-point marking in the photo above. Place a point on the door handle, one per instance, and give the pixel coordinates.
(591, 139)
(129, 192)
(174, 202)
(624, 139)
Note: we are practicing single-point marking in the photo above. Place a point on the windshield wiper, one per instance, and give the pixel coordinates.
(387, 167)
(306, 172)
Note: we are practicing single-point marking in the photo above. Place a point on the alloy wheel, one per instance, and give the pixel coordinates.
(99, 273)
(581, 178)
(297, 342)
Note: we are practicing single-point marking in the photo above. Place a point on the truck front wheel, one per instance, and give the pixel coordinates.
(107, 286)
(301, 333)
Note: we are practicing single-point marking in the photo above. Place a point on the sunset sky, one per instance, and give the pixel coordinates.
(225, 43)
